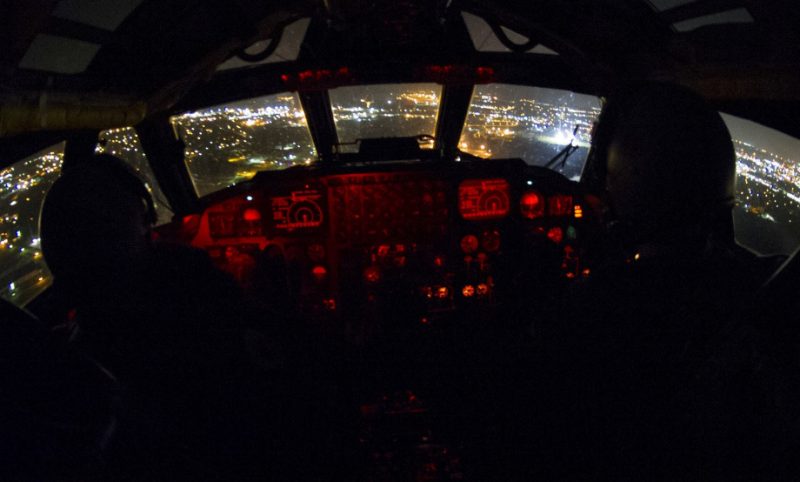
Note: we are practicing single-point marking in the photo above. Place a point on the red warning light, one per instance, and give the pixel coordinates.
(319, 273)
(555, 234)
(305, 75)
(531, 205)
(484, 74)
(459, 73)
(320, 78)
(383, 250)
(251, 215)
(372, 274)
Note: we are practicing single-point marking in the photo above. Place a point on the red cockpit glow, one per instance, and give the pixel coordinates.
(531, 205)
(319, 272)
(469, 244)
(481, 199)
(555, 234)
(560, 205)
(251, 215)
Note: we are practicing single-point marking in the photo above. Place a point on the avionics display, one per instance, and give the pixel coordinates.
(298, 211)
(482, 199)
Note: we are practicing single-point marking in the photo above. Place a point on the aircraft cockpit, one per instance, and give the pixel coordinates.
(387, 241)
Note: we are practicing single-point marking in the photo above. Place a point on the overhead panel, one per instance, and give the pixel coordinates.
(485, 40)
(288, 50)
(664, 5)
(103, 14)
(735, 16)
(62, 55)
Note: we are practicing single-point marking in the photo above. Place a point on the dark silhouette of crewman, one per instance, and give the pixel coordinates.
(202, 404)
(161, 318)
(678, 385)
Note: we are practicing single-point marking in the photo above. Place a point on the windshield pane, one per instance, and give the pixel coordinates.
(231, 143)
(385, 110)
(124, 143)
(767, 187)
(23, 187)
(531, 123)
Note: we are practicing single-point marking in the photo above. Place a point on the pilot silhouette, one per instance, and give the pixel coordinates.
(172, 328)
(679, 378)
(161, 318)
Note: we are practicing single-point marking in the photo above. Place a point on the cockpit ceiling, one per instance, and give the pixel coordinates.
(154, 51)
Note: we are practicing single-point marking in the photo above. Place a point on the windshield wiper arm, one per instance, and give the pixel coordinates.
(567, 151)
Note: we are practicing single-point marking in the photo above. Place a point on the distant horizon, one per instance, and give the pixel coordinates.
(763, 137)
(225, 146)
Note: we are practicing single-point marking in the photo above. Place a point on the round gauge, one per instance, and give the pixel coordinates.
(469, 244)
(531, 205)
(555, 234)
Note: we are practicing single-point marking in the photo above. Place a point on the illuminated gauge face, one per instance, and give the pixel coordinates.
(469, 244)
(480, 199)
(305, 214)
(300, 211)
(531, 205)
(372, 274)
(555, 234)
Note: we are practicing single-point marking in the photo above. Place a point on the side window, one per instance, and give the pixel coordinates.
(767, 187)
(23, 186)
(124, 143)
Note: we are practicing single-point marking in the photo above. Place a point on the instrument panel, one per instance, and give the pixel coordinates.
(360, 251)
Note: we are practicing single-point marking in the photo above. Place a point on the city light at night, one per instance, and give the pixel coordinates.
(227, 144)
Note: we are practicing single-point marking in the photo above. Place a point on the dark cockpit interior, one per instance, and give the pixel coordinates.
(413, 240)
